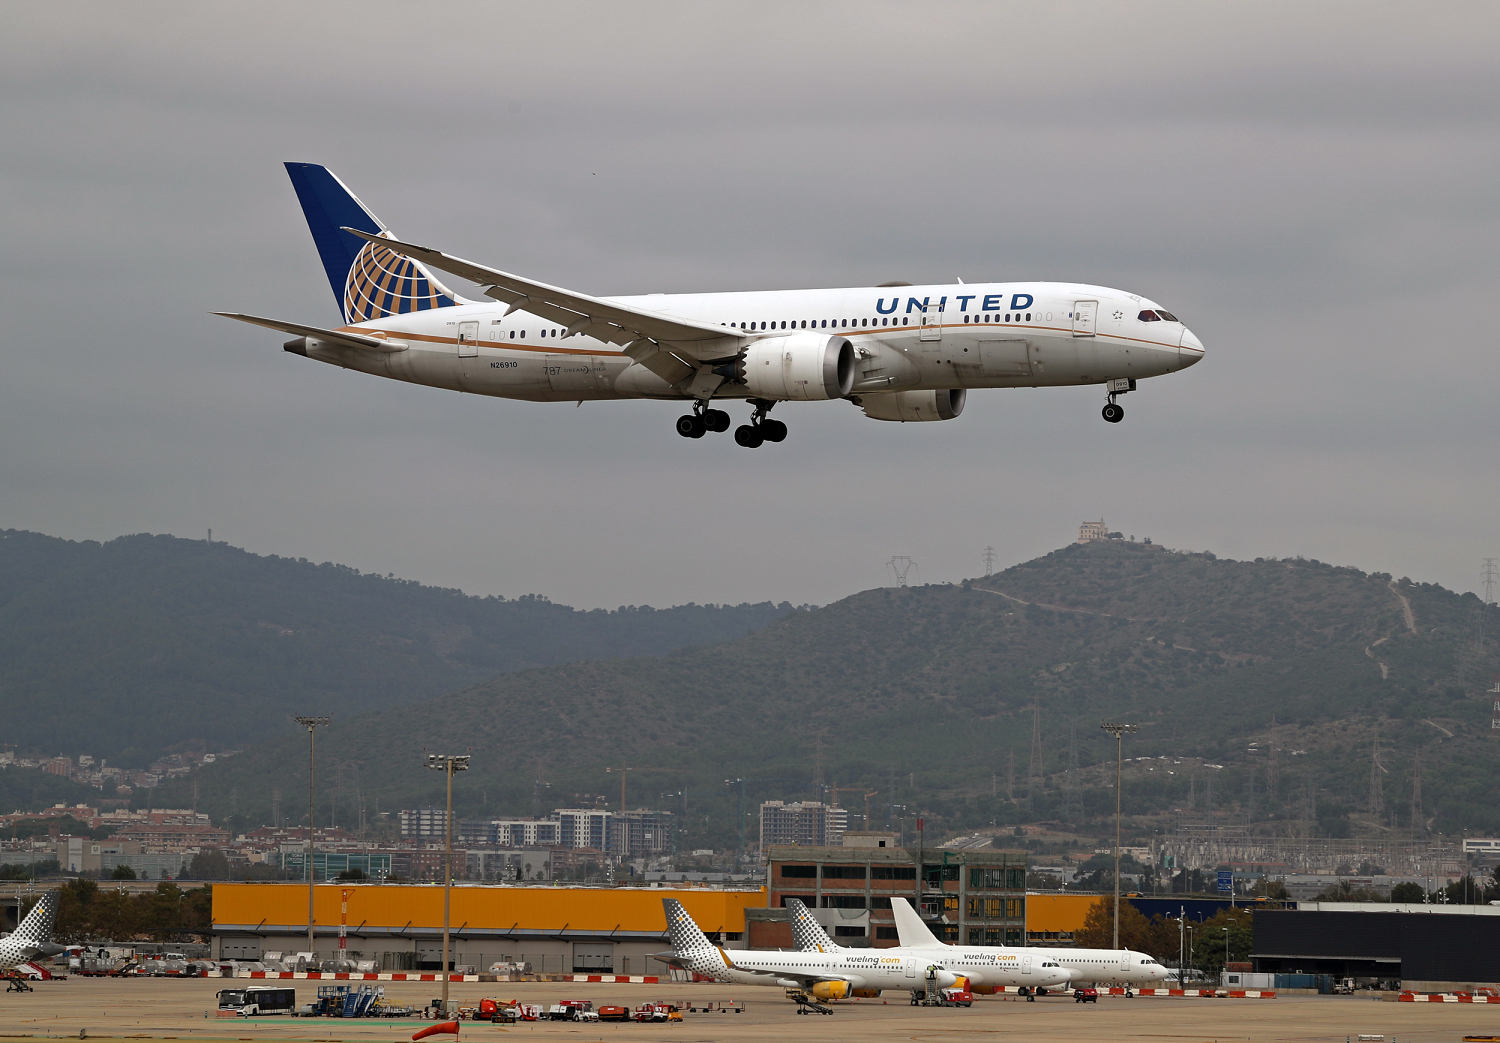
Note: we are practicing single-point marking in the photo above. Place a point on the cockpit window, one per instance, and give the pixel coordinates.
(1167, 315)
(1148, 316)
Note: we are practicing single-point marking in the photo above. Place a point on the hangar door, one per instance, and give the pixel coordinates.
(593, 957)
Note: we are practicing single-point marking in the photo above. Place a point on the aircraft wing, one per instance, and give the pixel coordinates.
(342, 338)
(643, 331)
(806, 978)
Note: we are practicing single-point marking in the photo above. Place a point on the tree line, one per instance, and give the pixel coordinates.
(89, 912)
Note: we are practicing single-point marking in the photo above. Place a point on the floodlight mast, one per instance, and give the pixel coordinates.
(1117, 729)
(447, 763)
(311, 723)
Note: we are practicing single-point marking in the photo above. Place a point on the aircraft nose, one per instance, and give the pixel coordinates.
(1189, 349)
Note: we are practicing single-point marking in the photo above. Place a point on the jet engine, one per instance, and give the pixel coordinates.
(801, 366)
(830, 990)
(910, 406)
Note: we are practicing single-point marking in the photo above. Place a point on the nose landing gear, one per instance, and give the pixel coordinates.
(1113, 411)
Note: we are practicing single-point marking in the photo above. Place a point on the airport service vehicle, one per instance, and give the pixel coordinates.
(1087, 994)
(658, 1012)
(573, 1010)
(898, 352)
(611, 1012)
(257, 1000)
(829, 975)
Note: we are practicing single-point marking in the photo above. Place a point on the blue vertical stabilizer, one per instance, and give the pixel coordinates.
(369, 281)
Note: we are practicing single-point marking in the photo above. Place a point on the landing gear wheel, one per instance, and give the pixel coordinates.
(715, 420)
(773, 430)
(690, 425)
(748, 436)
(1114, 413)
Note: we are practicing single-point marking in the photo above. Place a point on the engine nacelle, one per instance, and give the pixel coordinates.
(830, 990)
(913, 406)
(800, 367)
(945, 978)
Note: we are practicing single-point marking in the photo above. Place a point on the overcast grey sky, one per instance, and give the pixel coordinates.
(1311, 187)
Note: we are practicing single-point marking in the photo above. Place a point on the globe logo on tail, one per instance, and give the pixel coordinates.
(381, 282)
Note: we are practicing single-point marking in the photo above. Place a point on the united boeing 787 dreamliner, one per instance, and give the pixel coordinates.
(898, 352)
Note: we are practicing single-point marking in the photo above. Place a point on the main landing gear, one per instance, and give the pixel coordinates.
(701, 419)
(760, 428)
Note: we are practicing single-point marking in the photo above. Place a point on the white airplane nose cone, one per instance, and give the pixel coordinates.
(1189, 349)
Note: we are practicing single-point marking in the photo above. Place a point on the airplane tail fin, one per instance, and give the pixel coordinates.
(369, 281)
(806, 930)
(910, 929)
(35, 929)
(689, 944)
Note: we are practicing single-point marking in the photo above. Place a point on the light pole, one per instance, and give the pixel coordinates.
(1181, 947)
(447, 763)
(311, 724)
(1117, 729)
(1225, 977)
(739, 816)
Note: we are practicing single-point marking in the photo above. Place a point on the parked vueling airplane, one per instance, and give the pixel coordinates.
(824, 976)
(33, 935)
(985, 968)
(1085, 966)
(899, 352)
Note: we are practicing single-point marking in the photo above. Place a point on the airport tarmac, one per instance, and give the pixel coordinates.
(176, 1009)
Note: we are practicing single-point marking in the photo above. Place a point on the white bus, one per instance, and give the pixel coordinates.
(257, 1000)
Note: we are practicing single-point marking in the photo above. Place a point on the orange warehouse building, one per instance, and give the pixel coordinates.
(398, 927)
(1053, 919)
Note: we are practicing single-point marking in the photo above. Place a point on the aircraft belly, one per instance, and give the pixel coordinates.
(1056, 360)
(992, 363)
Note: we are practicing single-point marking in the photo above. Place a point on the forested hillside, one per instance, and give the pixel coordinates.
(1268, 687)
(147, 644)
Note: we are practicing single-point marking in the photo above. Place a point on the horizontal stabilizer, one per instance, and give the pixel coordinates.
(340, 338)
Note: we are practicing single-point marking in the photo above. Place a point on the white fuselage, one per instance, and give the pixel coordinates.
(1125, 966)
(862, 969)
(990, 966)
(987, 335)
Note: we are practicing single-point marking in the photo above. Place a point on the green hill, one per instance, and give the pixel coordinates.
(1265, 687)
(148, 644)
